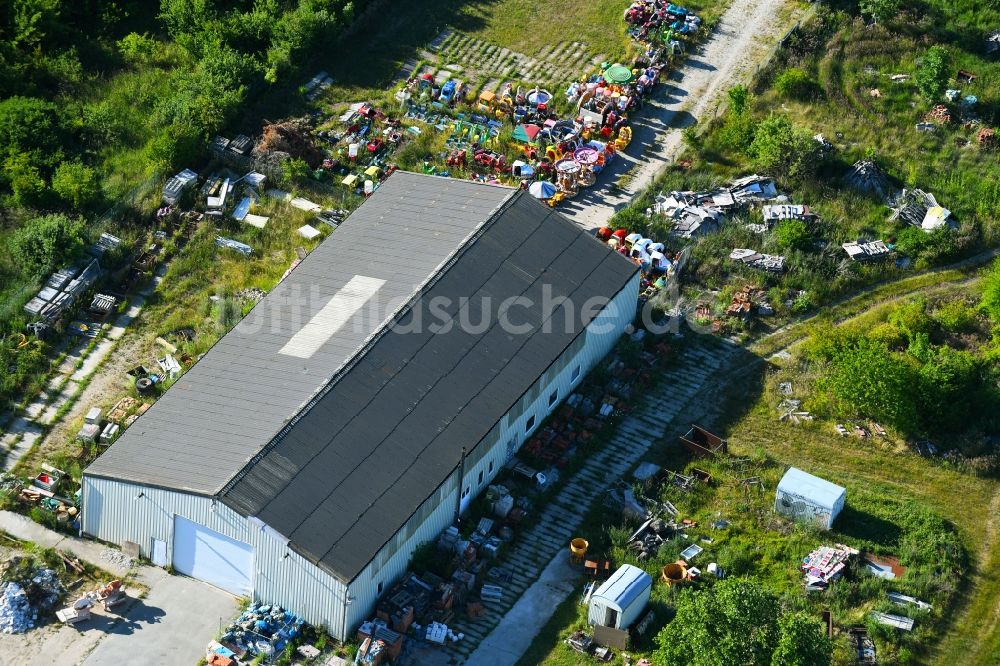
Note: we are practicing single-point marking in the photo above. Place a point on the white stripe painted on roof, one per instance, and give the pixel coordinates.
(331, 317)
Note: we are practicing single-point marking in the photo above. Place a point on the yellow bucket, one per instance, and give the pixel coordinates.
(578, 548)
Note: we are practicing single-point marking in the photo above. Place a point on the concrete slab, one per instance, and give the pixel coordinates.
(172, 625)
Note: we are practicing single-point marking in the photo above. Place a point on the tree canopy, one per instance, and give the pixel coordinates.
(738, 622)
(932, 75)
(784, 150)
(47, 242)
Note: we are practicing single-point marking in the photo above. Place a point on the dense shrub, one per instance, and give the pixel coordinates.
(796, 83)
(44, 243)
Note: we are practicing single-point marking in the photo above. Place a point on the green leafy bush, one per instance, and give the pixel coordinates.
(796, 83)
(47, 242)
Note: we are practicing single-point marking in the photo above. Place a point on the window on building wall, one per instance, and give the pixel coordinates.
(529, 424)
(553, 397)
(576, 373)
(491, 467)
(379, 588)
(465, 492)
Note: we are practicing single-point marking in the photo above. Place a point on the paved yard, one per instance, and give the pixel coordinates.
(171, 625)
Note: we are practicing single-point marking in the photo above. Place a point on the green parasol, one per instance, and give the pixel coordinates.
(619, 74)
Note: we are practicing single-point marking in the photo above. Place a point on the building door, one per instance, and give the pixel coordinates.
(159, 553)
(212, 557)
(610, 617)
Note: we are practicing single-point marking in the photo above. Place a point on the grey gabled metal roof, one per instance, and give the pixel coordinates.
(220, 414)
(388, 433)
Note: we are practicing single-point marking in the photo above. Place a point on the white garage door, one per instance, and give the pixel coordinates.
(212, 557)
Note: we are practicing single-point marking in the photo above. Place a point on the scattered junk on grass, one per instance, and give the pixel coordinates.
(583, 643)
(807, 498)
(920, 209)
(702, 443)
(867, 176)
(826, 564)
(765, 262)
(867, 251)
(259, 630)
(47, 491)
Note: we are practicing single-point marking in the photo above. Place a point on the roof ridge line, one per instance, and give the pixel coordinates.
(384, 328)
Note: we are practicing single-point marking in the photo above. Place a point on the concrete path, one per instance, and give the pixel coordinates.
(688, 391)
(746, 34)
(171, 624)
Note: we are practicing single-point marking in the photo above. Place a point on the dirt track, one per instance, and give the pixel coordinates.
(745, 36)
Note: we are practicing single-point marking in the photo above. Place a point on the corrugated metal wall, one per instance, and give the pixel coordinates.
(113, 512)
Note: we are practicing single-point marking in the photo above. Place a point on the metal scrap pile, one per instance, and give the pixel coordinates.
(765, 262)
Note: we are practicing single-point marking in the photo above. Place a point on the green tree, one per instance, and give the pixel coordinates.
(783, 150)
(801, 642)
(879, 10)
(932, 75)
(793, 235)
(739, 99)
(736, 622)
(865, 379)
(76, 184)
(46, 242)
(25, 180)
(30, 125)
(136, 48)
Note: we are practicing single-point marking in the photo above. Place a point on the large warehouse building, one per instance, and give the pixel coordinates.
(367, 399)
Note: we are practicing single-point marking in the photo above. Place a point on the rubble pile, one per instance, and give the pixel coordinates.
(290, 137)
(939, 114)
(46, 589)
(987, 138)
(765, 262)
(867, 176)
(16, 614)
(116, 558)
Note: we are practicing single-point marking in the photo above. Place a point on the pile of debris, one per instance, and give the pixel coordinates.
(991, 44)
(826, 564)
(765, 262)
(920, 209)
(940, 114)
(293, 138)
(700, 212)
(261, 629)
(16, 614)
(861, 251)
(867, 176)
